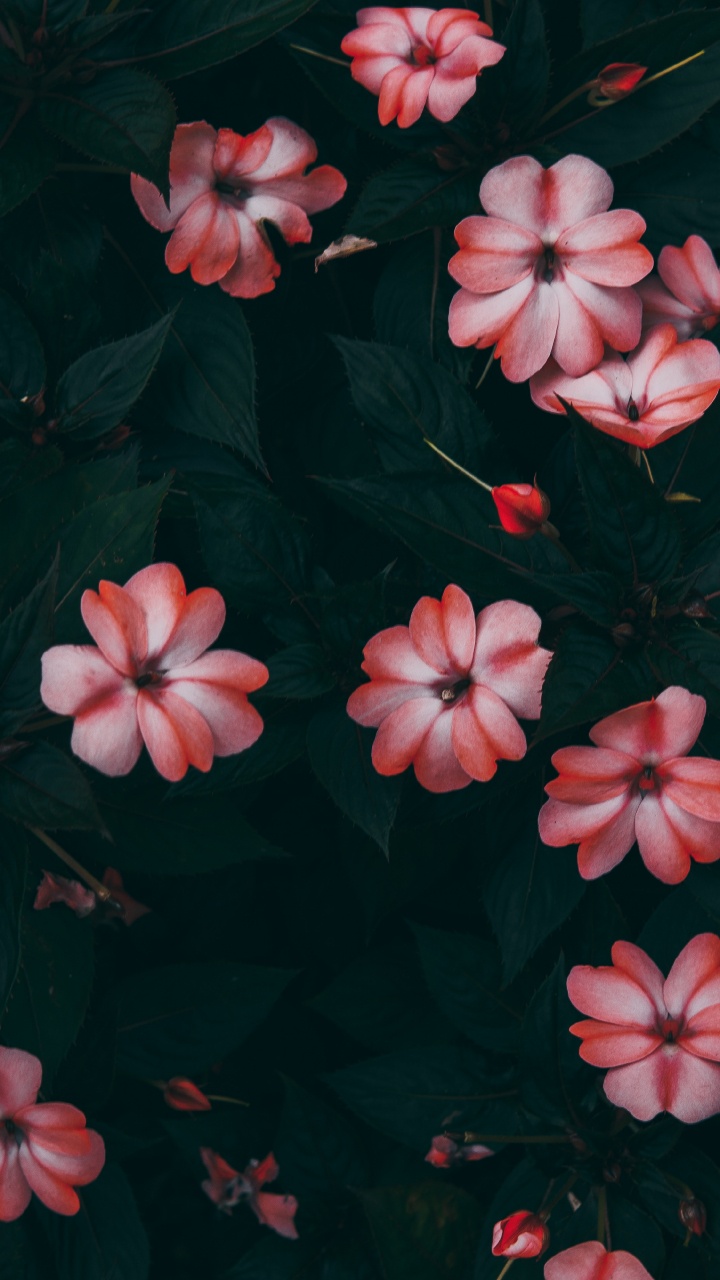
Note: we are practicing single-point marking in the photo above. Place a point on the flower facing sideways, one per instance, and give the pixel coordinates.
(638, 783)
(522, 1235)
(686, 290)
(444, 1153)
(228, 1188)
(591, 1261)
(446, 692)
(660, 388)
(522, 509)
(183, 1095)
(660, 1037)
(224, 187)
(44, 1147)
(417, 57)
(549, 271)
(150, 679)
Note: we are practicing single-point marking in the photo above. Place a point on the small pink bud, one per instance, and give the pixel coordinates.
(444, 1153)
(522, 1235)
(693, 1215)
(182, 1095)
(522, 508)
(619, 79)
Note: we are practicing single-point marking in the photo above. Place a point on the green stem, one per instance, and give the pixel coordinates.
(508, 1138)
(91, 168)
(100, 890)
(451, 463)
(324, 57)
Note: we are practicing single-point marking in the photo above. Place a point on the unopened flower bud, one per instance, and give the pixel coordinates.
(693, 1215)
(522, 508)
(522, 1235)
(618, 79)
(182, 1095)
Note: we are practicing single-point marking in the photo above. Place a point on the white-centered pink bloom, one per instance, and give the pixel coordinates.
(150, 679)
(686, 290)
(657, 391)
(445, 693)
(591, 1261)
(224, 187)
(228, 1188)
(412, 58)
(549, 271)
(659, 1036)
(44, 1147)
(638, 783)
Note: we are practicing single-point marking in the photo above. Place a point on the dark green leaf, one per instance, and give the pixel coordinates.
(96, 392)
(282, 741)
(675, 189)
(316, 1147)
(589, 677)
(464, 977)
(653, 39)
(22, 364)
(26, 160)
(423, 1232)
(106, 1240)
(690, 657)
(520, 82)
(299, 672)
(13, 874)
(411, 303)
(632, 1229)
(412, 196)
(339, 752)
(186, 35)
(24, 636)
(552, 1069)
(41, 787)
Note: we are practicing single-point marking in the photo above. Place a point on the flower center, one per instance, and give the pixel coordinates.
(670, 1029)
(455, 691)
(632, 410)
(150, 677)
(549, 273)
(422, 56)
(648, 781)
(10, 1126)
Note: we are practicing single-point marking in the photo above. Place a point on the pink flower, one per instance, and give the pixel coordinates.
(182, 1095)
(417, 57)
(686, 290)
(71, 893)
(547, 273)
(445, 1154)
(637, 783)
(150, 679)
(658, 390)
(618, 79)
(128, 908)
(445, 692)
(522, 1235)
(224, 187)
(522, 508)
(592, 1261)
(228, 1188)
(660, 1037)
(44, 1147)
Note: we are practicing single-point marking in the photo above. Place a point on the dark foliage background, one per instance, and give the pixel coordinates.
(365, 964)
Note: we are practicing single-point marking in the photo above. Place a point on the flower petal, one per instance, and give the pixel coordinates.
(401, 734)
(528, 342)
(236, 156)
(494, 254)
(693, 783)
(607, 1045)
(106, 734)
(216, 685)
(117, 626)
(661, 848)
(654, 731)
(669, 1080)
(191, 175)
(604, 248)
(15, 1193)
(443, 631)
(206, 239)
(507, 657)
(693, 983)
(480, 319)
(198, 626)
(629, 994)
(174, 732)
(391, 655)
(256, 267)
(436, 765)
(76, 677)
(20, 1080)
(484, 730)
(590, 775)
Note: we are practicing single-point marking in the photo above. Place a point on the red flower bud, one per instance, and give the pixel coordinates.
(619, 79)
(183, 1095)
(522, 508)
(693, 1215)
(522, 1235)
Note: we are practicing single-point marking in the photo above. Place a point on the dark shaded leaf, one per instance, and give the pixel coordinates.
(26, 160)
(106, 1240)
(96, 392)
(423, 1232)
(589, 677)
(552, 1068)
(188, 35)
(22, 363)
(412, 196)
(41, 787)
(464, 976)
(13, 876)
(316, 1148)
(299, 672)
(339, 752)
(24, 636)
(690, 657)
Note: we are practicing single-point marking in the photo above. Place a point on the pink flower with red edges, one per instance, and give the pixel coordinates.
(522, 508)
(44, 1147)
(592, 1261)
(71, 893)
(224, 187)
(445, 693)
(659, 1036)
(414, 58)
(522, 1235)
(549, 271)
(660, 388)
(638, 783)
(686, 290)
(446, 1154)
(150, 679)
(228, 1188)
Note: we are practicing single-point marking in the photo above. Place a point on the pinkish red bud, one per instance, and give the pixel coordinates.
(182, 1095)
(444, 1153)
(522, 1235)
(693, 1215)
(522, 508)
(619, 79)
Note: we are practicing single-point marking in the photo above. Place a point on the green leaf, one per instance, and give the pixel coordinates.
(674, 189)
(633, 1229)
(301, 671)
(551, 1066)
(521, 79)
(41, 787)
(122, 117)
(634, 530)
(690, 657)
(413, 195)
(26, 160)
(404, 400)
(183, 36)
(13, 876)
(52, 988)
(96, 392)
(423, 1232)
(22, 363)
(588, 678)
(411, 303)
(281, 742)
(339, 752)
(106, 1240)
(24, 636)
(316, 1148)
(657, 44)
(179, 1018)
(464, 976)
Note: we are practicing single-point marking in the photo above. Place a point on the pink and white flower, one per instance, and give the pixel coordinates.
(522, 1235)
(592, 1261)
(224, 187)
(150, 679)
(686, 290)
(446, 692)
(412, 58)
(638, 783)
(549, 271)
(659, 1036)
(71, 893)
(228, 1188)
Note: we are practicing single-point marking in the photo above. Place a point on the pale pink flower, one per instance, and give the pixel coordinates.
(659, 1036)
(412, 58)
(444, 1153)
(445, 693)
(150, 679)
(661, 388)
(591, 1261)
(686, 290)
(224, 187)
(638, 783)
(71, 893)
(549, 271)
(228, 1188)
(44, 1147)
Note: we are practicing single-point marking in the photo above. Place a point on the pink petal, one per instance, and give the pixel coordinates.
(117, 626)
(198, 626)
(371, 703)
(191, 175)
(693, 983)
(602, 850)
(494, 254)
(625, 994)
(591, 1261)
(216, 686)
(693, 784)
(256, 268)
(464, 50)
(76, 1169)
(76, 677)
(447, 27)
(276, 1212)
(174, 732)
(578, 345)
(527, 343)
(391, 655)
(590, 775)
(660, 306)
(291, 221)
(237, 156)
(413, 95)
(436, 765)
(687, 367)
(600, 394)
(617, 313)
(449, 91)
(401, 734)
(378, 40)
(656, 345)
(71, 893)
(443, 631)
(107, 736)
(604, 248)
(508, 658)
(654, 731)
(701, 1035)
(484, 730)
(548, 201)
(20, 1080)
(480, 319)
(291, 151)
(514, 191)
(159, 590)
(371, 71)
(607, 1045)
(258, 1172)
(670, 1080)
(613, 820)
(311, 193)
(206, 239)
(15, 1194)
(661, 848)
(691, 274)
(55, 1126)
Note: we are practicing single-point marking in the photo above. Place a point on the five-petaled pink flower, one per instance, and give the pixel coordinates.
(224, 187)
(417, 57)
(228, 1188)
(659, 1036)
(686, 290)
(660, 388)
(522, 1235)
(150, 679)
(638, 783)
(445, 692)
(591, 1261)
(549, 271)
(45, 1147)
(444, 1153)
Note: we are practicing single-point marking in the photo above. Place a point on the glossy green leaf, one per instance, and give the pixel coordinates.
(41, 787)
(411, 196)
(186, 35)
(96, 392)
